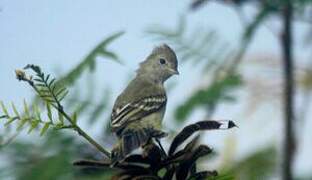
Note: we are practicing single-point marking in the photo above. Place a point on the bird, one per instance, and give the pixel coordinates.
(138, 111)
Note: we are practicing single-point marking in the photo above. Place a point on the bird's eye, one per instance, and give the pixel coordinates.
(162, 61)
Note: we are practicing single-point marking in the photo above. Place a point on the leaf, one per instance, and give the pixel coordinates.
(184, 167)
(203, 175)
(74, 118)
(39, 80)
(10, 120)
(92, 163)
(47, 78)
(15, 110)
(154, 153)
(44, 129)
(61, 118)
(40, 85)
(71, 77)
(34, 124)
(267, 9)
(22, 123)
(26, 109)
(134, 171)
(37, 112)
(111, 55)
(137, 158)
(169, 174)
(4, 109)
(179, 155)
(51, 82)
(34, 68)
(197, 4)
(100, 49)
(60, 91)
(62, 96)
(49, 112)
(46, 96)
(110, 39)
(191, 129)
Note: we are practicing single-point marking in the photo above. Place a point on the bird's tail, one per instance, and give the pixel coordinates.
(132, 139)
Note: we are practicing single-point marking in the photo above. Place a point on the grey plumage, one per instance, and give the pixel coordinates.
(138, 111)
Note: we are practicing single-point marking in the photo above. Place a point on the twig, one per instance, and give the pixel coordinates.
(22, 77)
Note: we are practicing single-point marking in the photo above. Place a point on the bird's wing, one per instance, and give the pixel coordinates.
(129, 112)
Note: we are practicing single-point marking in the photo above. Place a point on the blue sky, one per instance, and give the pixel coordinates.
(58, 34)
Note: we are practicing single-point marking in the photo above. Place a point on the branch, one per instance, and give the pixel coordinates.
(55, 101)
(289, 139)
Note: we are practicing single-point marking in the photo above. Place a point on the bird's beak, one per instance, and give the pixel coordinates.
(174, 71)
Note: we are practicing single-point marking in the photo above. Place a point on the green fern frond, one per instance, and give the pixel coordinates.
(49, 112)
(44, 129)
(4, 109)
(10, 120)
(88, 63)
(61, 118)
(48, 89)
(31, 118)
(34, 124)
(50, 92)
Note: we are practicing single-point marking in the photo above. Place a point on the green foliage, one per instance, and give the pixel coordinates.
(47, 89)
(210, 96)
(38, 171)
(50, 159)
(271, 8)
(199, 47)
(267, 9)
(53, 158)
(31, 118)
(90, 60)
(52, 95)
(262, 164)
(47, 85)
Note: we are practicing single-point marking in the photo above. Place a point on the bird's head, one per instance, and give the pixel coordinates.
(161, 64)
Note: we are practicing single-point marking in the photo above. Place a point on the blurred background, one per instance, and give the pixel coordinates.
(235, 58)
